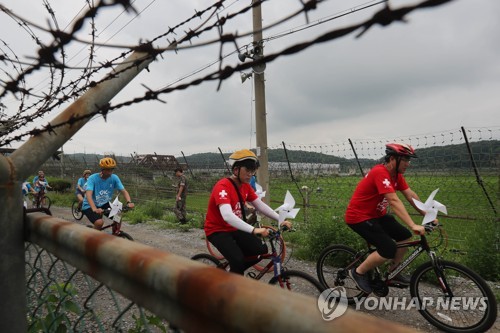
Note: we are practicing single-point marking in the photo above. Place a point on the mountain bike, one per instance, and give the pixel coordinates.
(41, 200)
(76, 210)
(292, 280)
(280, 248)
(440, 288)
(115, 223)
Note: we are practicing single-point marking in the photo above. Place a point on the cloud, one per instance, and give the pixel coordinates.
(437, 71)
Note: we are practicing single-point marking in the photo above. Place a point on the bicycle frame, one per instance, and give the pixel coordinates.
(275, 261)
(38, 197)
(420, 245)
(115, 225)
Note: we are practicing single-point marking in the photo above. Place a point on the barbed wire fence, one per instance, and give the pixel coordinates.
(316, 185)
(322, 177)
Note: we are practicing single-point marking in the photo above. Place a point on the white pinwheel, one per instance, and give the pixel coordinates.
(116, 206)
(286, 210)
(430, 207)
(258, 190)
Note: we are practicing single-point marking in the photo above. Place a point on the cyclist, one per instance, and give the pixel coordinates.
(225, 225)
(180, 195)
(100, 189)
(27, 189)
(40, 183)
(81, 185)
(367, 215)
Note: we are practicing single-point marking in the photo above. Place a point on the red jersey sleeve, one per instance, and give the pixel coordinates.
(382, 181)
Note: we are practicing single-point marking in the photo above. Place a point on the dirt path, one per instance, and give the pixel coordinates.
(188, 243)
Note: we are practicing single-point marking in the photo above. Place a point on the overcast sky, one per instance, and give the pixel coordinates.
(437, 72)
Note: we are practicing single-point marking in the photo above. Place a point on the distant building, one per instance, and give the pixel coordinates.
(305, 169)
(154, 162)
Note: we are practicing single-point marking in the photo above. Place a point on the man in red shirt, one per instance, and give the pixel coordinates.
(225, 224)
(367, 214)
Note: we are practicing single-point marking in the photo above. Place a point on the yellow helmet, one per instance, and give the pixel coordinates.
(87, 172)
(107, 163)
(244, 155)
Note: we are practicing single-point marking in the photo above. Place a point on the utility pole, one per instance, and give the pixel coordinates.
(260, 103)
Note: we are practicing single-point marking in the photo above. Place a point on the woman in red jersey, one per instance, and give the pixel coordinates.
(225, 224)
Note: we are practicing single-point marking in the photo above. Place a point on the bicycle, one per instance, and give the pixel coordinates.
(76, 210)
(41, 200)
(434, 285)
(280, 248)
(116, 223)
(292, 280)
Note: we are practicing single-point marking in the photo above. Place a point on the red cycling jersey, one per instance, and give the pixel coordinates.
(225, 193)
(368, 201)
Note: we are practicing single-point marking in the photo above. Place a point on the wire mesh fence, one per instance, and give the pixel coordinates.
(61, 298)
(463, 164)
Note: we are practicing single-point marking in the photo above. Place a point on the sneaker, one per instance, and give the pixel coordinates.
(401, 279)
(362, 281)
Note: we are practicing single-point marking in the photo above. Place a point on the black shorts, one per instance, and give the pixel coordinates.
(383, 233)
(94, 216)
(237, 245)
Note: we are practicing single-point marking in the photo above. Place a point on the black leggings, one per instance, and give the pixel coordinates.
(383, 233)
(237, 245)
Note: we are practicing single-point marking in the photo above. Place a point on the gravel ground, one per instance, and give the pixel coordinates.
(191, 242)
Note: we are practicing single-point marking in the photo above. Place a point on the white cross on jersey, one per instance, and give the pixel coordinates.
(386, 183)
(222, 194)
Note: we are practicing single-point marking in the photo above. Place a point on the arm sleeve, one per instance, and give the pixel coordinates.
(233, 220)
(265, 209)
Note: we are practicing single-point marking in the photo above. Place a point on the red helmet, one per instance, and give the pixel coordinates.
(400, 149)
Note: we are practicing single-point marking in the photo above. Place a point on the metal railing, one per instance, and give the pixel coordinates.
(191, 295)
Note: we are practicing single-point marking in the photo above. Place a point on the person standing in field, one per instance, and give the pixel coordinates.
(180, 195)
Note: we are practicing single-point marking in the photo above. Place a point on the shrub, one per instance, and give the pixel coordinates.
(154, 210)
(60, 185)
(327, 231)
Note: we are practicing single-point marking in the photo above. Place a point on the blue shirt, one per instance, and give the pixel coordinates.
(26, 188)
(83, 184)
(253, 180)
(102, 189)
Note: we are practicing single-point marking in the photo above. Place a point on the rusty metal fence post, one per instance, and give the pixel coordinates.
(12, 280)
(24, 161)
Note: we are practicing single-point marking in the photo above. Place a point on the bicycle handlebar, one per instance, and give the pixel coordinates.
(429, 227)
(273, 233)
(124, 209)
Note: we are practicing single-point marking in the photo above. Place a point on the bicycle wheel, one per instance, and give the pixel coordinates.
(298, 282)
(333, 266)
(207, 259)
(467, 304)
(123, 234)
(45, 202)
(76, 211)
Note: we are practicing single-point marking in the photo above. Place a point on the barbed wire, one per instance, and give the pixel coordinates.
(60, 93)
